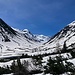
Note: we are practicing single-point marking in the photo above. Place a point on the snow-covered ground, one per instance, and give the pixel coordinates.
(8, 74)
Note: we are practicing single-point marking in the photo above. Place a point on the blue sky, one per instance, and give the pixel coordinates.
(39, 16)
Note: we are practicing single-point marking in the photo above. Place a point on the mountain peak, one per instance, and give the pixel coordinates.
(64, 35)
(6, 28)
(42, 38)
(72, 23)
(26, 30)
(1, 21)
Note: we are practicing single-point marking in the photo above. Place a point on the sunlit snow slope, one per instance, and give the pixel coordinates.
(15, 42)
(67, 35)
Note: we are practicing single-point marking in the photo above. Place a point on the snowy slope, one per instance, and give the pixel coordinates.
(67, 34)
(35, 37)
(12, 40)
(16, 42)
(42, 38)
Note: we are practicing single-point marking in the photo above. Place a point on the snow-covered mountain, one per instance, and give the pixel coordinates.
(36, 37)
(11, 39)
(42, 38)
(39, 38)
(67, 35)
(15, 41)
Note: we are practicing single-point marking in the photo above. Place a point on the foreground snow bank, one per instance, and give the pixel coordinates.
(8, 74)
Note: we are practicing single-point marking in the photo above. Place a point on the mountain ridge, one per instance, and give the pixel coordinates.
(67, 34)
(15, 42)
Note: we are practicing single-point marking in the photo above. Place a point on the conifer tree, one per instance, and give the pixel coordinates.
(64, 47)
(55, 66)
(19, 69)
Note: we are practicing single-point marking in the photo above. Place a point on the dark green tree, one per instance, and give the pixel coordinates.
(72, 53)
(55, 66)
(18, 68)
(64, 47)
(70, 67)
(37, 60)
